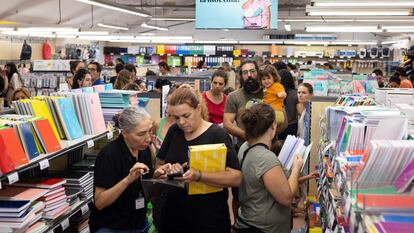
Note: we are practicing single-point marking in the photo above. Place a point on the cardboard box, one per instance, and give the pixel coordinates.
(206, 158)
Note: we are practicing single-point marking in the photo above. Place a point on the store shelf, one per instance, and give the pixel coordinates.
(67, 147)
(7, 111)
(81, 207)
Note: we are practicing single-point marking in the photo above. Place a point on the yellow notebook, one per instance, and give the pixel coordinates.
(206, 158)
(160, 49)
(40, 109)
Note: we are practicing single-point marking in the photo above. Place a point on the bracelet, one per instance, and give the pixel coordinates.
(199, 178)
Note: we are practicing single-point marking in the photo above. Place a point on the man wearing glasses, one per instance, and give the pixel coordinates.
(249, 93)
(95, 69)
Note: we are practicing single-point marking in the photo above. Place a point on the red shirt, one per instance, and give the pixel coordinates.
(215, 111)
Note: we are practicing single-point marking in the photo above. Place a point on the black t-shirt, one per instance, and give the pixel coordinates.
(195, 213)
(112, 165)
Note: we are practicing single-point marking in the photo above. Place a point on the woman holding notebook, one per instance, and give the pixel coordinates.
(199, 213)
(267, 191)
(119, 204)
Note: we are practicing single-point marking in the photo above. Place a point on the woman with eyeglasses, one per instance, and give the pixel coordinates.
(119, 204)
(202, 213)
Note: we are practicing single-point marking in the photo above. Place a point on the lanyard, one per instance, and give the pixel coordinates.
(140, 188)
(247, 150)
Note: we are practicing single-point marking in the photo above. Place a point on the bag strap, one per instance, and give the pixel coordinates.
(248, 149)
(248, 225)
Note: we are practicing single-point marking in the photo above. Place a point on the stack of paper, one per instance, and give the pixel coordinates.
(115, 100)
(293, 146)
(76, 179)
(54, 199)
(19, 208)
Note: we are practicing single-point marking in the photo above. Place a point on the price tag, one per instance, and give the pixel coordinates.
(224, 55)
(110, 135)
(84, 209)
(0, 185)
(180, 55)
(90, 143)
(195, 55)
(168, 54)
(13, 178)
(51, 231)
(64, 224)
(44, 164)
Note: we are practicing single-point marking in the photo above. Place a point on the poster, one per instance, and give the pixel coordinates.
(236, 14)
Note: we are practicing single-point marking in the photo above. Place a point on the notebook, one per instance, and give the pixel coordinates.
(47, 137)
(67, 115)
(10, 147)
(28, 140)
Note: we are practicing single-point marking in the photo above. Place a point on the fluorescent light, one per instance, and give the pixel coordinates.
(66, 36)
(396, 41)
(288, 27)
(147, 34)
(342, 29)
(32, 34)
(328, 11)
(164, 37)
(105, 38)
(130, 41)
(116, 7)
(363, 3)
(112, 26)
(171, 19)
(6, 29)
(359, 19)
(354, 42)
(306, 42)
(400, 30)
(47, 29)
(85, 33)
(215, 42)
(397, 27)
(153, 27)
(171, 41)
(261, 42)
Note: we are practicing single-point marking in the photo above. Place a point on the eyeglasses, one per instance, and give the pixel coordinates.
(92, 69)
(252, 71)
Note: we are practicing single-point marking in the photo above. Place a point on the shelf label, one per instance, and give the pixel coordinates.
(180, 55)
(90, 143)
(195, 55)
(110, 135)
(44, 164)
(224, 55)
(64, 224)
(84, 209)
(0, 185)
(13, 178)
(51, 231)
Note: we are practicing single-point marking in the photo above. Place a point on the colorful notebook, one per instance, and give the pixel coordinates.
(47, 137)
(94, 106)
(67, 115)
(11, 146)
(20, 193)
(28, 140)
(406, 178)
(40, 182)
(40, 109)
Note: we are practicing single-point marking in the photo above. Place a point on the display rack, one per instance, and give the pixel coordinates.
(68, 146)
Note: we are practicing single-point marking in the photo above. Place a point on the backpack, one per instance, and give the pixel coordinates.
(26, 52)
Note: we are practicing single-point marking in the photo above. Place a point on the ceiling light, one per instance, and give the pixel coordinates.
(305, 42)
(359, 19)
(215, 42)
(112, 26)
(66, 36)
(349, 11)
(261, 42)
(396, 41)
(6, 29)
(363, 3)
(85, 33)
(31, 34)
(153, 27)
(156, 41)
(400, 30)
(397, 27)
(47, 29)
(171, 19)
(147, 34)
(116, 7)
(342, 29)
(105, 38)
(354, 42)
(130, 41)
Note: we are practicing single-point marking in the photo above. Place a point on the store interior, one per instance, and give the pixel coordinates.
(358, 119)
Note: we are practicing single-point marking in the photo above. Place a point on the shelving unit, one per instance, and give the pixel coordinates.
(68, 146)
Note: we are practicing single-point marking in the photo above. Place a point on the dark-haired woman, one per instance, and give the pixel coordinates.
(15, 81)
(215, 98)
(305, 93)
(266, 193)
(290, 104)
(119, 204)
(81, 79)
(75, 66)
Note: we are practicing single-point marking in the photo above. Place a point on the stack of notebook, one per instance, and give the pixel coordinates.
(76, 180)
(54, 199)
(114, 101)
(20, 208)
(293, 146)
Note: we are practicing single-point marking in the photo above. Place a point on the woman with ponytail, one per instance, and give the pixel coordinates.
(202, 213)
